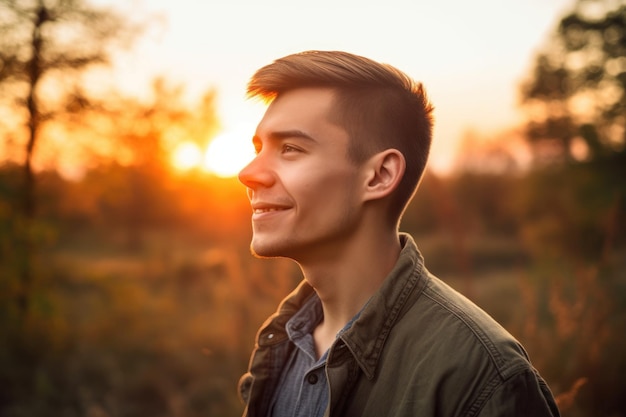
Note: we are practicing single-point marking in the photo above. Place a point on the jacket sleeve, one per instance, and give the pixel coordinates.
(523, 394)
(243, 388)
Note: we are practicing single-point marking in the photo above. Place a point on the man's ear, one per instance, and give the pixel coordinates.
(384, 173)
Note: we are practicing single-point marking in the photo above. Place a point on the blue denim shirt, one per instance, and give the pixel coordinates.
(303, 388)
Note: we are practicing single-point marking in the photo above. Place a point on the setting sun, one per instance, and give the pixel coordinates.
(228, 153)
(186, 156)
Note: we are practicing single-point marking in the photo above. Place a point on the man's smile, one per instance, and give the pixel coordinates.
(265, 209)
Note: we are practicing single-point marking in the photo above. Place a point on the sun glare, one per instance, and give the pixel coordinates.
(186, 156)
(227, 154)
(224, 157)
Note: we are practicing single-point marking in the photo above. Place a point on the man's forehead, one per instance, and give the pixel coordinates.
(299, 106)
(307, 111)
(311, 95)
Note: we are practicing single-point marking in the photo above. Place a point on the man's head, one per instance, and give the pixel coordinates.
(379, 106)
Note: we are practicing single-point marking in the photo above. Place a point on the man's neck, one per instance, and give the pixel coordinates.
(345, 282)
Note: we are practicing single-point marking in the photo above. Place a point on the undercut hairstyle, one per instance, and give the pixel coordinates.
(379, 106)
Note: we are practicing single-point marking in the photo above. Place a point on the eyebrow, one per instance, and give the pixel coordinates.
(284, 134)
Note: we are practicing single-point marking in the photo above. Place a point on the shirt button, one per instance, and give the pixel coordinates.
(312, 378)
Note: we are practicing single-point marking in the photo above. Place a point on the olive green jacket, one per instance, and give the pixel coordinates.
(419, 348)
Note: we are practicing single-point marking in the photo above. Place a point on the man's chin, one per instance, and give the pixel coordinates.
(266, 249)
(260, 255)
(259, 251)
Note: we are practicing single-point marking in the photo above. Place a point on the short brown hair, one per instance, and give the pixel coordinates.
(379, 106)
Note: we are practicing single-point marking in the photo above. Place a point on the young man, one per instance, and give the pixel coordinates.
(369, 331)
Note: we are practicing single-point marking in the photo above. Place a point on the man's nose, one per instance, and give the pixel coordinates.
(257, 173)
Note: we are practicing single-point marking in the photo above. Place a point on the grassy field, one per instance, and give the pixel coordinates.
(166, 329)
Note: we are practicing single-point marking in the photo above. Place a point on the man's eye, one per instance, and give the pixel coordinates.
(288, 148)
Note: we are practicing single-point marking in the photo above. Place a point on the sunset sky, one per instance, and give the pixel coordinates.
(471, 56)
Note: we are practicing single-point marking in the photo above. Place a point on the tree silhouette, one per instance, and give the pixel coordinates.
(573, 204)
(576, 96)
(576, 103)
(145, 132)
(45, 48)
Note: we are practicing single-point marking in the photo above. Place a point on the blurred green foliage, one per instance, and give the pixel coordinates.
(575, 95)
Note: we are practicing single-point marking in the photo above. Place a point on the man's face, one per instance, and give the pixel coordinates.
(303, 189)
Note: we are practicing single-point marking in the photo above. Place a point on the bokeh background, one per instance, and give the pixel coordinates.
(126, 283)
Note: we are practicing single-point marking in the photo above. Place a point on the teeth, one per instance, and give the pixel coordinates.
(266, 210)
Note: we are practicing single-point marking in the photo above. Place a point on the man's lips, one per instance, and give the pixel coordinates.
(264, 208)
(267, 210)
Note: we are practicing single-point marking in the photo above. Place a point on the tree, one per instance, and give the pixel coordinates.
(45, 48)
(146, 132)
(576, 96)
(573, 206)
(576, 103)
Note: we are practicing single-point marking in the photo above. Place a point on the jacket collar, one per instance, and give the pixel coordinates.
(367, 336)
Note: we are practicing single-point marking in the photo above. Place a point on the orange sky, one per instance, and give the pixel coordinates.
(470, 55)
